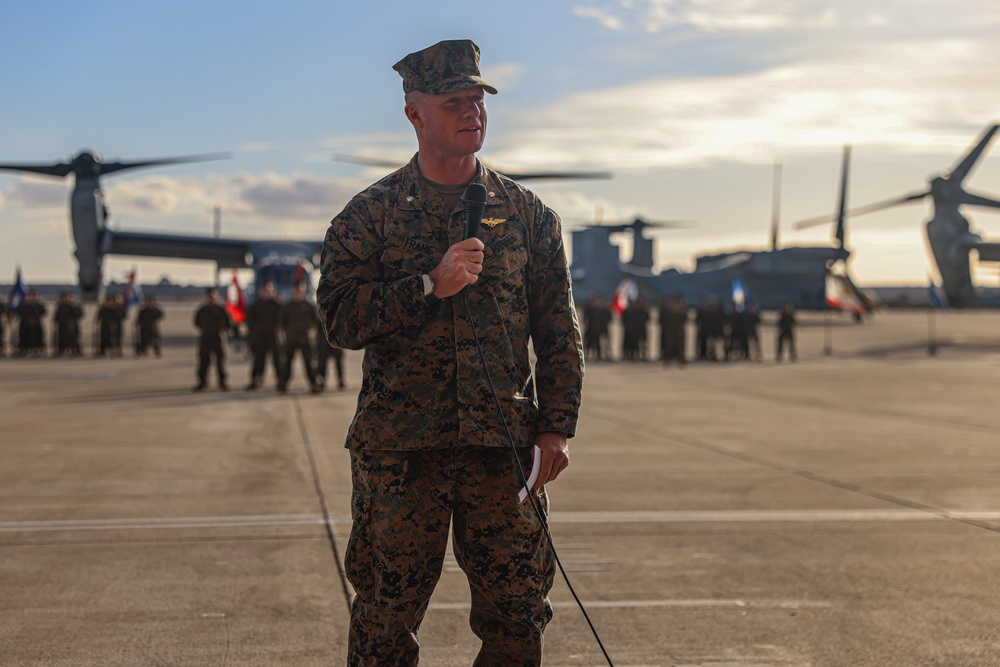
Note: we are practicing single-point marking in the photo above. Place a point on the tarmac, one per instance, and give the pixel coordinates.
(840, 511)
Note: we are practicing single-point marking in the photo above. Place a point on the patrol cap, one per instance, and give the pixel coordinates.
(445, 67)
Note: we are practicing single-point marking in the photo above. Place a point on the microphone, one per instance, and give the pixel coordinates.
(474, 201)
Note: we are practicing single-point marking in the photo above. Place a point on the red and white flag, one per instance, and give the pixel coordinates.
(236, 301)
(626, 293)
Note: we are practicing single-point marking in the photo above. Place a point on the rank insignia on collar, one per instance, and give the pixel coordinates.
(493, 222)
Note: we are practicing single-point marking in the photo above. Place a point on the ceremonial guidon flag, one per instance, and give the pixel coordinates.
(133, 292)
(936, 296)
(236, 301)
(17, 293)
(627, 292)
(741, 295)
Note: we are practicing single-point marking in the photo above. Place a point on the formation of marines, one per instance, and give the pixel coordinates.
(67, 329)
(721, 334)
(30, 331)
(276, 331)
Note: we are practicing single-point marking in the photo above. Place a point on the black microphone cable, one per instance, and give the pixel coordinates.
(520, 469)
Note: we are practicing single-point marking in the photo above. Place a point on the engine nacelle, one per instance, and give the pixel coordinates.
(949, 238)
(88, 214)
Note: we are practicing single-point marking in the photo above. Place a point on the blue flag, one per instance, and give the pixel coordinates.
(133, 292)
(741, 295)
(17, 293)
(936, 296)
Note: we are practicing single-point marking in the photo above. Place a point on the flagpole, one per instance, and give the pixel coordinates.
(827, 335)
(931, 332)
(936, 301)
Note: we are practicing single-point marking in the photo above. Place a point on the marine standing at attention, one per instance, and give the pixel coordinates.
(786, 332)
(262, 324)
(147, 322)
(66, 323)
(298, 319)
(325, 352)
(427, 444)
(213, 322)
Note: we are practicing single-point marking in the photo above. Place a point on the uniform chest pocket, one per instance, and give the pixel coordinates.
(409, 257)
(505, 258)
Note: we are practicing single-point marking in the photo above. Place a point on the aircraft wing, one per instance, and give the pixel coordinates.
(229, 253)
(988, 251)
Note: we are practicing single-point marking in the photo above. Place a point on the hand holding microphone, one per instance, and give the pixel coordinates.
(463, 262)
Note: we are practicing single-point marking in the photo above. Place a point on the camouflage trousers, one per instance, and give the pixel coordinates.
(402, 504)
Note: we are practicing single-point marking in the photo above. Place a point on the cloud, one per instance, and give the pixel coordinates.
(601, 15)
(152, 194)
(912, 96)
(504, 77)
(251, 202)
(710, 16)
(759, 16)
(295, 197)
(38, 195)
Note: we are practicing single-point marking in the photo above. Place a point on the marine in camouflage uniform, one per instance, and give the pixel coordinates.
(31, 330)
(66, 322)
(147, 321)
(109, 319)
(325, 352)
(298, 319)
(427, 445)
(262, 323)
(213, 322)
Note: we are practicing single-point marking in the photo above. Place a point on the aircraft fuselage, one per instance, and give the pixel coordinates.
(795, 275)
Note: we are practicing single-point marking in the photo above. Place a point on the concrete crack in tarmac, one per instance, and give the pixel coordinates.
(324, 505)
(968, 519)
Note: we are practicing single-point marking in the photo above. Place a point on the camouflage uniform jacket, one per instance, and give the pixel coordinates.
(262, 319)
(298, 319)
(148, 317)
(423, 385)
(212, 320)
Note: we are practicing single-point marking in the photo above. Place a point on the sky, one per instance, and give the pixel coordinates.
(689, 103)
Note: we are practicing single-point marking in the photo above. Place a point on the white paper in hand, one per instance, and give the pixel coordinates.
(532, 477)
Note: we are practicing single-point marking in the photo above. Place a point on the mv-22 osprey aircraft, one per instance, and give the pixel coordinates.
(276, 261)
(282, 262)
(771, 278)
(948, 233)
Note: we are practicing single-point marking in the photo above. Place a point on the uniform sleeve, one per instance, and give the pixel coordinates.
(555, 329)
(357, 304)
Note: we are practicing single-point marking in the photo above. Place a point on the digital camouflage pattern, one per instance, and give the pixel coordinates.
(213, 322)
(443, 68)
(262, 334)
(424, 386)
(262, 318)
(298, 320)
(396, 552)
